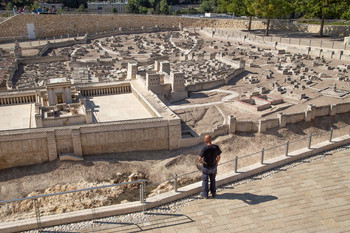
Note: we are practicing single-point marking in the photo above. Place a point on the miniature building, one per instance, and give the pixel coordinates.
(56, 107)
(59, 91)
(258, 103)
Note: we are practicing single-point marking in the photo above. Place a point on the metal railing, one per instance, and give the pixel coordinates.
(234, 164)
(36, 205)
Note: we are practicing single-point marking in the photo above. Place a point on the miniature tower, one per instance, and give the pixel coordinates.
(177, 81)
(165, 67)
(132, 71)
(153, 82)
(156, 66)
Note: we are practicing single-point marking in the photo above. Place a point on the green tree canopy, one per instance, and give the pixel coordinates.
(205, 7)
(164, 8)
(323, 9)
(270, 9)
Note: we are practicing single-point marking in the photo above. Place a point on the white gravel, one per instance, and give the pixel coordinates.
(139, 217)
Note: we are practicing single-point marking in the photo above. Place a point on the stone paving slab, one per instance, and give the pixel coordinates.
(311, 197)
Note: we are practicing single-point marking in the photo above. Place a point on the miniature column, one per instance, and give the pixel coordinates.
(77, 142)
(281, 119)
(310, 112)
(333, 110)
(51, 145)
(232, 124)
(262, 125)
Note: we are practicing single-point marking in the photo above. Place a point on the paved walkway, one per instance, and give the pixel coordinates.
(311, 197)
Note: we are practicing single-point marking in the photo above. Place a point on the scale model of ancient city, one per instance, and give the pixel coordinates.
(157, 87)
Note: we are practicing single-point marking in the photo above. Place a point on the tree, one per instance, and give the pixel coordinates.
(237, 7)
(9, 6)
(270, 9)
(323, 9)
(114, 10)
(164, 8)
(249, 11)
(137, 6)
(81, 8)
(205, 7)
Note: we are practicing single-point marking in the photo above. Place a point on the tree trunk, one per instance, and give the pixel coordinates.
(322, 24)
(267, 27)
(250, 23)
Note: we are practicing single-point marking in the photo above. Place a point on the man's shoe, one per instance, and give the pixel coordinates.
(203, 196)
(213, 195)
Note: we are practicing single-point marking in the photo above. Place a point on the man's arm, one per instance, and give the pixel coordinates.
(200, 159)
(218, 159)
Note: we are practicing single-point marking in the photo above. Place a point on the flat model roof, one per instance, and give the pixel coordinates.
(116, 108)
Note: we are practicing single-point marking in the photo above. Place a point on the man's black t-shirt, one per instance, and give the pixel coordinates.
(209, 154)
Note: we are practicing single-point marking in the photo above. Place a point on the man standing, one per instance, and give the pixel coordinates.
(209, 157)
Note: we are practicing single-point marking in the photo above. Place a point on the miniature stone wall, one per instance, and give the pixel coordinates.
(342, 107)
(323, 110)
(32, 146)
(246, 126)
(20, 149)
(295, 117)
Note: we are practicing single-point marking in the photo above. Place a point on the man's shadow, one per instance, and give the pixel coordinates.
(249, 198)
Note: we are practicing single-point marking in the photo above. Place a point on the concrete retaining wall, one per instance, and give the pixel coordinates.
(51, 25)
(57, 25)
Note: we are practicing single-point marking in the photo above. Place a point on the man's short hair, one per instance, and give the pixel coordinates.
(207, 138)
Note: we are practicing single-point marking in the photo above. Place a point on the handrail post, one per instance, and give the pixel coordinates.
(143, 196)
(331, 134)
(236, 164)
(141, 193)
(262, 156)
(287, 148)
(309, 143)
(37, 212)
(175, 182)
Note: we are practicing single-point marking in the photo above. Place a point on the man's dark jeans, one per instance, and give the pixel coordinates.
(209, 173)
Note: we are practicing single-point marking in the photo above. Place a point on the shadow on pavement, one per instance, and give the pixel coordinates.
(57, 231)
(155, 221)
(249, 198)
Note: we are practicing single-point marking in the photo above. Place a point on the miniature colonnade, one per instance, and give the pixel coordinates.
(96, 91)
(17, 100)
